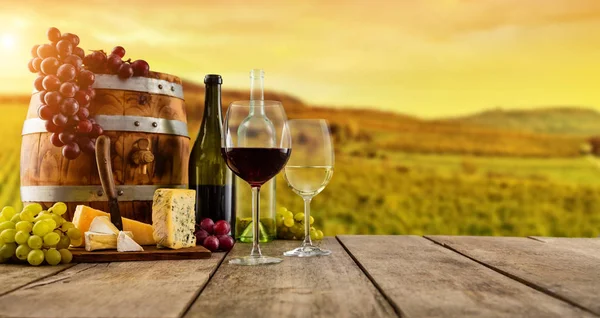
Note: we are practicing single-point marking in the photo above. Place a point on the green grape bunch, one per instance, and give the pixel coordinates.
(36, 235)
(290, 226)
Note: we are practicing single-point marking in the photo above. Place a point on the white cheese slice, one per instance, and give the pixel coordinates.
(102, 224)
(126, 244)
(101, 241)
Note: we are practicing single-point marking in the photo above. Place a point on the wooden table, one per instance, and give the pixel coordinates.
(366, 276)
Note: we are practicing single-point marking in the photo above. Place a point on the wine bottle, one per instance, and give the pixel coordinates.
(208, 172)
(256, 118)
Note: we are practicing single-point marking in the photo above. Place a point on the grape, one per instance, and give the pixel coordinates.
(41, 228)
(118, 51)
(66, 72)
(1, 242)
(34, 51)
(211, 243)
(51, 83)
(74, 233)
(288, 214)
(66, 256)
(83, 113)
(71, 151)
(64, 48)
(35, 242)
(34, 208)
(96, 131)
(8, 250)
(55, 140)
(45, 112)
(96, 60)
(37, 84)
(8, 235)
(22, 251)
(82, 98)
(24, 226)
(35, 257)
(46, 50)
(201, 235)
(21, 237)
(51, 239)
(86, 78)
(79, 52)
(140, 68)
(53, 99)
(59, 208)
(125, 71)
(50, 222)
(312, 220)
(53, 256)
(68, 90)
(42, 96)
(69, 107)
(84, 126)
(6, 225)
(222, 227)
(31, 66)
(74, 39)
(319, 235)
(53, 34)
(49, 65)
(226, 242)
(91, 92)
(51, 127)
(86, 144)
(299, 217)
(208, 225)
(67, 225)
(36, 63)
(59, 120)
(114, 62)
(77, 242)
(74, 60)
(289, 222)
(64, 242)
(58, 220)
(66, 137)
(8, 212)
(16, 218)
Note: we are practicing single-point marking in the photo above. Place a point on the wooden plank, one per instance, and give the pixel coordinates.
(13, 276)
(126, 289)
(587, 246)
(329, 286)
(571, 276)
(423, 279)
(150, 253)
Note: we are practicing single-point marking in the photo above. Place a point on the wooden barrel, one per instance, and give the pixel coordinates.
(141, 115)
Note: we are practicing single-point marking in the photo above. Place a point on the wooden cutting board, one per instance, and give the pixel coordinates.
(150, 253)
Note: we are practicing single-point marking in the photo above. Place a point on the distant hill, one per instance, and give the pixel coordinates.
(559, 120)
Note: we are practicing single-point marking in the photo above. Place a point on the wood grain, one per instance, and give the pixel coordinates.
(42, 162)
(13, 276)
(587, 246)
(125, 289)
(331, 286)
(150, 253)
(568, 275)
(423, 279)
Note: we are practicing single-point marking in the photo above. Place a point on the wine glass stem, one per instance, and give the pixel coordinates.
(255, 219)
(307, 241)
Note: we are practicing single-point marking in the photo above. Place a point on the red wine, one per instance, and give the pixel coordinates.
(215, 202)
(256, 165)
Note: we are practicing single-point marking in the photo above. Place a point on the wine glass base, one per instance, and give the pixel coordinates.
(307, 251)
(255, 260)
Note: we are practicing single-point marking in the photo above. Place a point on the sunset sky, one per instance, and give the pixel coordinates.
(428, 58)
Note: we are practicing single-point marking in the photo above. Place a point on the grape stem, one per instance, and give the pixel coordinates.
(307, 240)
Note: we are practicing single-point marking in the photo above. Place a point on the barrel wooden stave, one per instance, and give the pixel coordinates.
(42, 163)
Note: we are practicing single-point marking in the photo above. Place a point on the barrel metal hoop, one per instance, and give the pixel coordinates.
(86, 193)
(121, 123)
(139, 84)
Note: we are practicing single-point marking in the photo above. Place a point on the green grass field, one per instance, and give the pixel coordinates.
(390, 192)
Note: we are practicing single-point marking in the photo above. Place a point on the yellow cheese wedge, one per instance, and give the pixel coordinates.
(84, 215)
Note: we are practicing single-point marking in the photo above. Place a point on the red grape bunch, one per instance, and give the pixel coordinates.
(214, 236)
(99, 63)
(65, 88)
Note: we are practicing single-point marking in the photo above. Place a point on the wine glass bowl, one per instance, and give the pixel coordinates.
(308, 171)
(256, 145)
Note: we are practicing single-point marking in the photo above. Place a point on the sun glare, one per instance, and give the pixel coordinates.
(7, 41)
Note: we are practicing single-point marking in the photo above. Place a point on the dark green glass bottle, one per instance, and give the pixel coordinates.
(208, 172)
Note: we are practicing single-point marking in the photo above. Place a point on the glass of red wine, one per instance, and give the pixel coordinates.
(256, 145)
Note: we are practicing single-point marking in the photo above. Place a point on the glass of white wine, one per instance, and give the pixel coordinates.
(308, 171)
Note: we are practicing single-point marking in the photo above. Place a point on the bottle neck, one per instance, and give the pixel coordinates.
(212, 105)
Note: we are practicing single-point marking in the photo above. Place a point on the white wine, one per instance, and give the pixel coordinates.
(308, 181)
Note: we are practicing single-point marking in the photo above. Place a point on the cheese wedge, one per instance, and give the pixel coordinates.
(101, 241)
(84, 215)
(173, 218)
(127, 244)
(102, 224)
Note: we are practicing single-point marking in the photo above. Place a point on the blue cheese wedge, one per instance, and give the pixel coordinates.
(173, 218)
